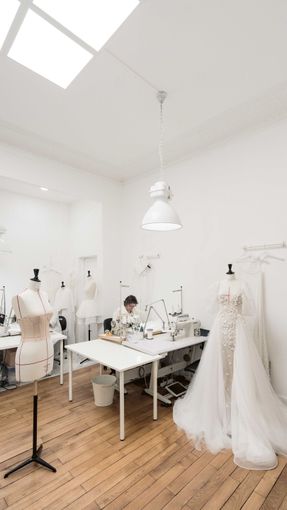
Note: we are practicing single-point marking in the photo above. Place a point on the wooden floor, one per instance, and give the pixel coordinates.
(155, 467)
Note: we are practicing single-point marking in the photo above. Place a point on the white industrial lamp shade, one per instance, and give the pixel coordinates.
(161, 216)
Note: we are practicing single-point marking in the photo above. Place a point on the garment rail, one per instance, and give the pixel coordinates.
(258, 247)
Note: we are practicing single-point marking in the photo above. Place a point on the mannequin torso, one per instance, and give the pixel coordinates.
(230, 285)
(34, 356)
(88, 307)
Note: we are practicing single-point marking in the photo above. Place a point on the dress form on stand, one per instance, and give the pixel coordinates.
(231, 403)
(87, 311)
(34, 356)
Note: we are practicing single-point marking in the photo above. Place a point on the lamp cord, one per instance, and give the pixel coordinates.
(161, 96)
(160, 145)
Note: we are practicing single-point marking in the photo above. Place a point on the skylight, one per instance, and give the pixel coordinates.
(8, 9)
(39, 46)
(93, 21)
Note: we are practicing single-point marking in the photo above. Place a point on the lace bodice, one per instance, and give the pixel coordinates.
(232, 301)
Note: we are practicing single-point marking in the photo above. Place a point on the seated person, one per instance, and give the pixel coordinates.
(128, 313)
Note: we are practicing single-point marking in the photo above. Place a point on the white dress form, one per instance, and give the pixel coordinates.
(88, 307)
(35, 354)
(87, 312)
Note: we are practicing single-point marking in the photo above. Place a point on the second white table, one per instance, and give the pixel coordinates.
(120, 359)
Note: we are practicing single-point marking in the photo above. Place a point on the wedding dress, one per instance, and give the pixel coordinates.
(230, 402)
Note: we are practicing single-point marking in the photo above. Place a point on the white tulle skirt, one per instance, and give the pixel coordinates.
(256, 427)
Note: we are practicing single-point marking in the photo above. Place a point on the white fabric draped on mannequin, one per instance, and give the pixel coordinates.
(51, 280)
(252, 273)
(64, 305)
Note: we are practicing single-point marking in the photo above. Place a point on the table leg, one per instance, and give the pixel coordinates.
(154, 387)
(70, 355)
(122, 407)
(61, 360)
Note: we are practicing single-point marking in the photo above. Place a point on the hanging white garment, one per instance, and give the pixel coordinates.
(230, 402)
(51, 281)
(252, 273)
(64, 305)
(88, 307)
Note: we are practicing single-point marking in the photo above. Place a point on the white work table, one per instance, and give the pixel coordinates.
(120, 359)
(162, 345)
(13, 341)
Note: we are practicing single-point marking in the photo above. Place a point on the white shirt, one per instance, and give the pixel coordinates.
(128, 318)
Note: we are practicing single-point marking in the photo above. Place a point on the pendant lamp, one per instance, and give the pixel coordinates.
(161, 216)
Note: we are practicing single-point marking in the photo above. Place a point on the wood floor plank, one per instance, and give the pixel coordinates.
(156, 466)
(221, 495)
(25, 502)
(120, 465)
(134, 478)
(183, 496)
(36, 479)
(278, 492)
(283, 505)
(155, 489)
(179, 454)
(254, 502)
(160, 501)
(3, 504)
(197, 466)
(243, 491)
(268, 480)
(204, 494)
(125, 496)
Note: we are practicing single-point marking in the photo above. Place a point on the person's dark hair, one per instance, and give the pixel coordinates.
(130, 300)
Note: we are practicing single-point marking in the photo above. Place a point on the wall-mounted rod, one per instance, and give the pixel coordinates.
(275, 246)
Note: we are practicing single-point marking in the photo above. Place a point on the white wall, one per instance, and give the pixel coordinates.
(27, 172)
(36, 232)
(231, 196)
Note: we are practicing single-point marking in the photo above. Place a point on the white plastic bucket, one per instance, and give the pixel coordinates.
(104, 387)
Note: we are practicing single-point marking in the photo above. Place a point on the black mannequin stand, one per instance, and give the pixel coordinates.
(36, 451)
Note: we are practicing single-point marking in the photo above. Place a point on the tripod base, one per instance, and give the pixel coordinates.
(35, 458)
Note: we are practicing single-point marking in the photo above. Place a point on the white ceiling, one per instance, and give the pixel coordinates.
(223, 64)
